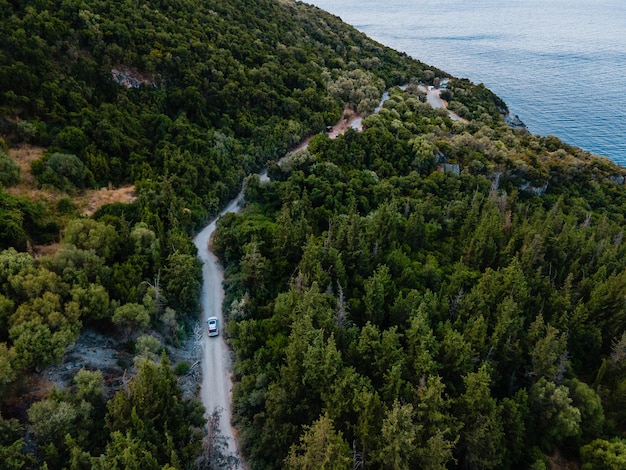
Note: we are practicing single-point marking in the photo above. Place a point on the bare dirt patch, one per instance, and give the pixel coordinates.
(92, 351)
(44, 250)
(108, 354)
(24, 155)
(95, 199)
(348, 117)
(87, 202)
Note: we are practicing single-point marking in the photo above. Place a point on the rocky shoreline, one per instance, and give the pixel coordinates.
(514, 121)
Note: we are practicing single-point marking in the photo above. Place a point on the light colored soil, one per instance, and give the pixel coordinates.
(347, 118)
(92, 351)
(435, 101)
(95, 199)
(24, 155)
(87, 202)
(44, 250)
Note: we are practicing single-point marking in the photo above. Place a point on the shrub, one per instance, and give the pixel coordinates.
(9, 171)
(445, 95)
(66, 206)
(73, 139)
(61, 170)
(182, 368)
(147, 345)
(32, 131)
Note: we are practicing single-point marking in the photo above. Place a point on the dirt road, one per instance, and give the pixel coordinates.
(435, 101)
(216, 361)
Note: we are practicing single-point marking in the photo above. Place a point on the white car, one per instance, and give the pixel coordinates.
(213, 329)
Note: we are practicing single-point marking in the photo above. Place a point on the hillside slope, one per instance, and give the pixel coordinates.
(423, 291)
(429, 294)
(179, 100)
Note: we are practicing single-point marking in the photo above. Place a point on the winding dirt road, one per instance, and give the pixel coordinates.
(216, 391)
(435, 101)
(216, 360)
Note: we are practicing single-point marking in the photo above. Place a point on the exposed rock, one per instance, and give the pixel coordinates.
(96, 351)
(131, 78)
(537, 190)
(453, 168)
(514, 121)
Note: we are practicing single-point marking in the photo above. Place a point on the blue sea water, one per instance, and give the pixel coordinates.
(559, 64)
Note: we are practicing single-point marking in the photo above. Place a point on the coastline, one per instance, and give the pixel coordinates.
(527, 53)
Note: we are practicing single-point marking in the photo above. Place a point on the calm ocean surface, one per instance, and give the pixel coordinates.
(559, 64)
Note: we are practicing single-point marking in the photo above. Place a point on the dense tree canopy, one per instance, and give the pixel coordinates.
(426, 293)
(181, 99)
(457, 319)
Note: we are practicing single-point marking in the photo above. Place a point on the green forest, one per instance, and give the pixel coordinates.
(426, 293)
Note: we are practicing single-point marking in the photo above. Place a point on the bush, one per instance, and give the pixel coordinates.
(73, 139)
(182, 368)
(61, 170)
(9, 171)
(32, 131)
(445, 95)
(66, 206)
(147, 345)
(69, 167)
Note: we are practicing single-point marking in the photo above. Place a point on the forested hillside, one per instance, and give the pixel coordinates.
(424, 294)
(430, 294)
(180, 99)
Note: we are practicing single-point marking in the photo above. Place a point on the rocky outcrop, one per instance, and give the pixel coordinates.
(514, 121)
(131, 78)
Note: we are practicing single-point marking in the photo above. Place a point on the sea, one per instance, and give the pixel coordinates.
(560, 65)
